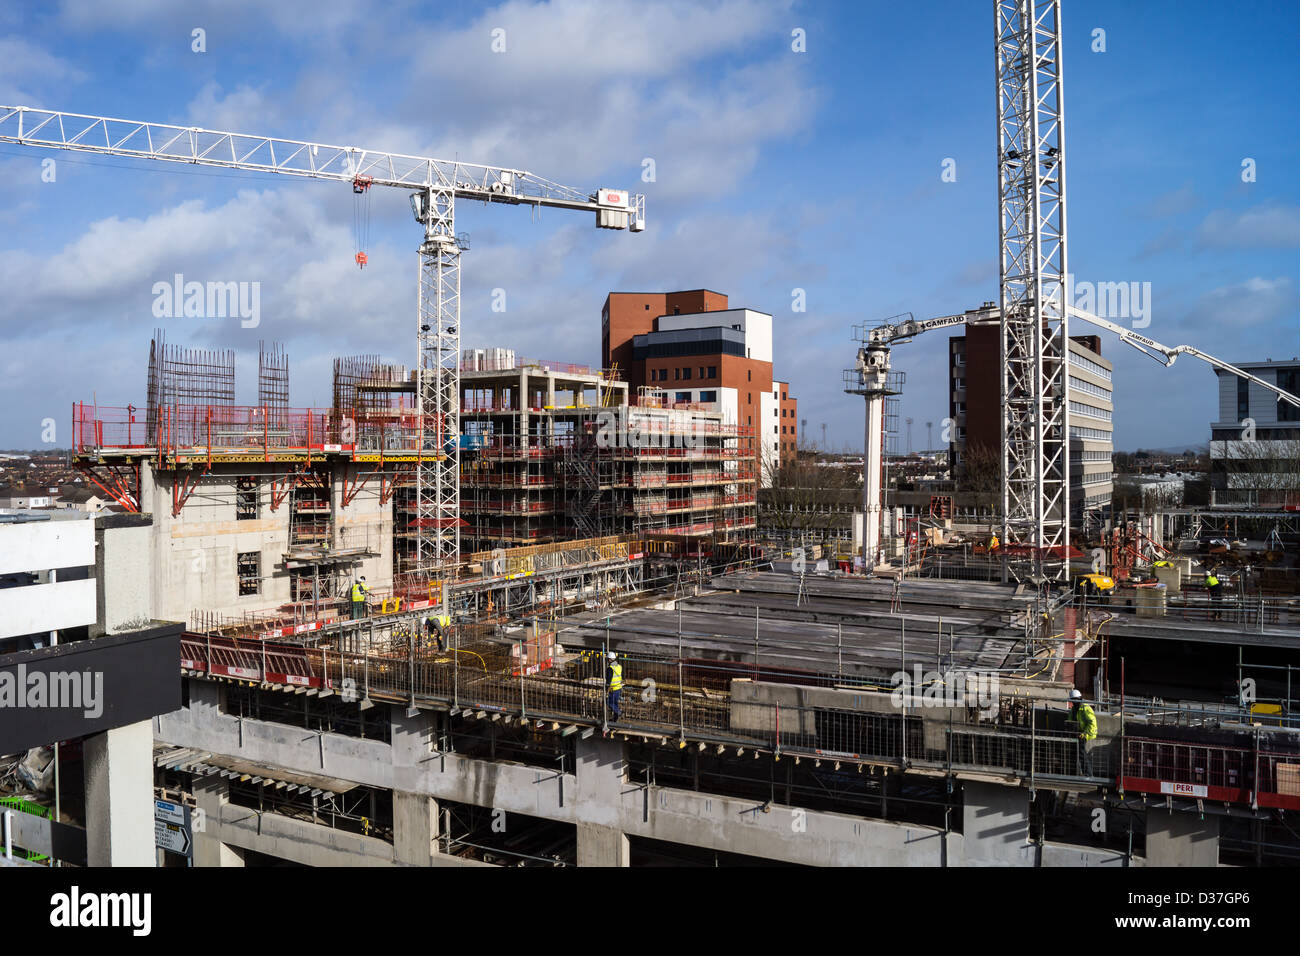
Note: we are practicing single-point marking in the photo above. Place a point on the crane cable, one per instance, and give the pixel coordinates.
(361, 218)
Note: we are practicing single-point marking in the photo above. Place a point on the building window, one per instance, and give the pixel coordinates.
(1288, 380)
(749, 375)
(683, 396)
(773, 429)
(750, 420)
(677, 310)
(785, 396)
(246, 499)
(248, 565)
(1243, 399)
(749, 398)
(702, 371)
(708, 396)
(713, 371)
(647, 306)
(686, 373)
(677, 373)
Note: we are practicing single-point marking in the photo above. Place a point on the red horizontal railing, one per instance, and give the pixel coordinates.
(223, 429)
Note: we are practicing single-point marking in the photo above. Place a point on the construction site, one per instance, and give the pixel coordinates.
(485, 610)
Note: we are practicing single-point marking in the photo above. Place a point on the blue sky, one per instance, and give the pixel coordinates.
(775, 170)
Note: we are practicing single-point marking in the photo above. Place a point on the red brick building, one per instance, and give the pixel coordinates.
(693, 347)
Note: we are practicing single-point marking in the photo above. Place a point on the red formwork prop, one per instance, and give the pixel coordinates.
(1210, 772)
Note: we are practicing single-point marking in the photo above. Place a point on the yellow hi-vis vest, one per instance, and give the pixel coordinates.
(1087, 721)
(615, 677)
(1211, 581)
(359, 591)
(442, 620)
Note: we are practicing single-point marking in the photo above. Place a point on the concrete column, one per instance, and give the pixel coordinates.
(119, 796)
(995, 825)
(1181, 839)
(210, 795)
(602, 846)
(415, 828)
(123, 570)
(412, 737)
(601, 777)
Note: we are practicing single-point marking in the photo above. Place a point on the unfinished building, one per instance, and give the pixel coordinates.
(770, 714)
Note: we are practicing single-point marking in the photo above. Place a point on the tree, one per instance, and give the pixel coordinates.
(981, 473)
(1264, 470)
(803, 490)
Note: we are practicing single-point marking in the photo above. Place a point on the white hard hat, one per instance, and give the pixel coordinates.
(612, 655)
(1076, 695)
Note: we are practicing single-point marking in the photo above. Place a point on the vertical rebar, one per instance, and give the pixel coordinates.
(523, 706)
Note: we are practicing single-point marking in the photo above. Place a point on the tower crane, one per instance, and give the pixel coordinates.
(1032, 313)
(436, 185)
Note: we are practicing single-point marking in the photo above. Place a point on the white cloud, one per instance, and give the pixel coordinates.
(293, 18)
(1243, 305)
(242, 110)
(1259, 226)
(26, 68)
(302, 259)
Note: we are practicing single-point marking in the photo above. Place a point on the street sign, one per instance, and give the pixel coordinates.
(171, 827)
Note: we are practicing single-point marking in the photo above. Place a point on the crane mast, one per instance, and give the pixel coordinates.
(437, 184)
(1032, 271)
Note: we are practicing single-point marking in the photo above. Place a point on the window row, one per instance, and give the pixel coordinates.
(1090, 388)
(684, 374)
(1089, 365)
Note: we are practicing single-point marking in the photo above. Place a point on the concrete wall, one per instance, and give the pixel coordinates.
(42, 547)
(122, 567)
(596, 796)
(195, 554)
(606, 808)
(40, 608)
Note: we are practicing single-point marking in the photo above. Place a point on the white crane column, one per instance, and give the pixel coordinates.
(1031, 234)
(438, 384)
(871, 378)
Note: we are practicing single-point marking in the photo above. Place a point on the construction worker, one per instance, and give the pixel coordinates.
(436, 626)
(360, 594)
(1086, 720)
(1215, 587)
(614, 681)
(994, 543)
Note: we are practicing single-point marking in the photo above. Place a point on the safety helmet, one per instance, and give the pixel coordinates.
(612, 656)
(1076, 695)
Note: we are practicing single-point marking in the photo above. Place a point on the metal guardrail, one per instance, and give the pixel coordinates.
(683, 700)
